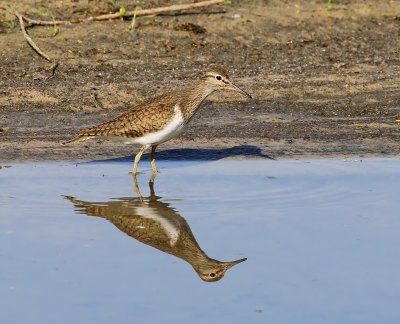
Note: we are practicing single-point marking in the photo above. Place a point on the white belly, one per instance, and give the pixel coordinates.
(171, 130)
(169, 228)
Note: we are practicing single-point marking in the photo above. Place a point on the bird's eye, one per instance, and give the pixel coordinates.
(212, 274)
(218, 77)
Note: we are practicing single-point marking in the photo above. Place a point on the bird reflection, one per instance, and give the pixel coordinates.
(155, 223)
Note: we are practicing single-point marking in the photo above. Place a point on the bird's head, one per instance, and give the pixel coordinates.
(217, 78)
(215, 270)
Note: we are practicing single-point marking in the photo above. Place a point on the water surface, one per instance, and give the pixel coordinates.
(321, 237)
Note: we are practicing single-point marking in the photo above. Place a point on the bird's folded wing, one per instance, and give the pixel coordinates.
(146, 118)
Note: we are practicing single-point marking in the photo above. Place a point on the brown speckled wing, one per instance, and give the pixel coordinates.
(149, 116)
(124, 215)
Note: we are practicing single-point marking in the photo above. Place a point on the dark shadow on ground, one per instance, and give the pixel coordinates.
(202, 154)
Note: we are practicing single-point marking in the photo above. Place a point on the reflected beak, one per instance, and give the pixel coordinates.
(234, 87)
(232, 263)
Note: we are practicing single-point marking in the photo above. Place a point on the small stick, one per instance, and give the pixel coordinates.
(29, 39)
(157, 11)
(53, 69)
(135, 13)
(133, 20)
(33, 22)
(34, 46)
(96, 101)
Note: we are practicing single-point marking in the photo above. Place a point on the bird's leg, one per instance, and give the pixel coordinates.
(151, 186)
(136, 188)
(137, 158)
(153, 159)
(152, 179)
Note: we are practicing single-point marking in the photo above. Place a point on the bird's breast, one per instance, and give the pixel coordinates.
(171, 129)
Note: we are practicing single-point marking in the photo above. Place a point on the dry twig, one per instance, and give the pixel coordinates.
(96, 101)
(34, 46)
(29, 39)
(33, 22)
(157, 11)
(135, 13)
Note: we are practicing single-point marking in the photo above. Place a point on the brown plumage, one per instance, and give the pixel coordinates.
(147, 117)
(161, 118)
(155, 223)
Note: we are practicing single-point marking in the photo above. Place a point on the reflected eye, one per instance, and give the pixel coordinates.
(219, 78)
(212, 274)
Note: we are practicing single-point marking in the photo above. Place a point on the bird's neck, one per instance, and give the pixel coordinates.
(194, 97)
(187, 247)
(197, 258)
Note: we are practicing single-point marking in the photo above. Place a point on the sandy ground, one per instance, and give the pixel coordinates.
(325, 82)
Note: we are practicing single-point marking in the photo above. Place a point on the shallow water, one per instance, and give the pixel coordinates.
(321, 237)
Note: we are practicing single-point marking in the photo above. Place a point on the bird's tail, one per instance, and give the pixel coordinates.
(80, 138)
(89, 208)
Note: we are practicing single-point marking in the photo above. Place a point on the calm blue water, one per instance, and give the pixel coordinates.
(322, 238)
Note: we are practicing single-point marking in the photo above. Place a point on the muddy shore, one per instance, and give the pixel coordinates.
(325, 82)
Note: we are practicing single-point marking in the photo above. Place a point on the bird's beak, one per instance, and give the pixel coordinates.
(234, 87)
(232, 263)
